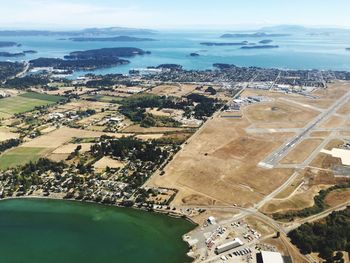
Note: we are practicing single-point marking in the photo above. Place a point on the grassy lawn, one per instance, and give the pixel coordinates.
(25, 102)
(20, 156)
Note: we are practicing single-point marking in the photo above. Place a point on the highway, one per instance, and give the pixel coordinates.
(272, 160)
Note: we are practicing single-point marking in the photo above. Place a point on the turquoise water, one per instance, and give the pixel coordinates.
(299, 51)
(38, 231)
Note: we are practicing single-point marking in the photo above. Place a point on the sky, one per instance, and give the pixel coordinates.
(182, 14)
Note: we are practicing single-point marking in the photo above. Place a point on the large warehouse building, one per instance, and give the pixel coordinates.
(269, 257)
(227, 246)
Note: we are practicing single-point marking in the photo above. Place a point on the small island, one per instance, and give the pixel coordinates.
(8, 44)
(266, 41)
(347, 49)
(260, 47)
(243, 43)
(111, 39)
(255, 35)
(194, 55)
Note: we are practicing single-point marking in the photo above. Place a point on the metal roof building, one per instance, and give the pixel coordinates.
(269, 257)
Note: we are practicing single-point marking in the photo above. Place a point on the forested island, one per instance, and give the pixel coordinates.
(125, 52)
(111, 39)
(243, 43)
(260, 47)
(255, 35)
(348, 49)
(8, 44)
(89, 59)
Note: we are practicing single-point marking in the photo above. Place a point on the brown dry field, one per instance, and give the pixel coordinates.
(63, 135)
(296, 202)
(152, 136)
(334, 144)
(176, 90)
(272, 112)
(321, 134)
(325, 161)
(107, 161)
(69, 148)
(301, 152)
(219, 164)
(291, 187)
(138, 129)
(345, 109)
(333, 122)
(338, 197)
(7, 135)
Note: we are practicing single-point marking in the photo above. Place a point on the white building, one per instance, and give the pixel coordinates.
(269, 257)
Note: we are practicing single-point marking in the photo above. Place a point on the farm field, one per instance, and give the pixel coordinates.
(25, 102)
(20, 156)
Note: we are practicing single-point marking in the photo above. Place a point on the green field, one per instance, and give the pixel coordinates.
(102, 98)
(25, 102)
(20, 156)
(40, 96)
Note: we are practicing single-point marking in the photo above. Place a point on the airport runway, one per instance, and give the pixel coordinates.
(273, 159)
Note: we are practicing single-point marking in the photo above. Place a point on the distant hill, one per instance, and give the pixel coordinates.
(254, 35)
(111, 39)
(89, 32)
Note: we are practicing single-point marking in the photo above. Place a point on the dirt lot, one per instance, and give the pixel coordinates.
(301, 152)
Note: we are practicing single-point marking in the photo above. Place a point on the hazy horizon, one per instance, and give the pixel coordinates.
(157, 14)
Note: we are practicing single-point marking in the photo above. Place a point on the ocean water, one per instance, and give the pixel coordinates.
(298, 51)
(41, 231)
